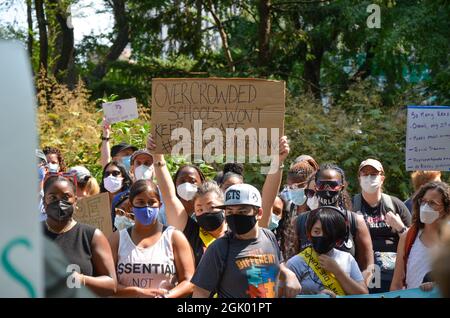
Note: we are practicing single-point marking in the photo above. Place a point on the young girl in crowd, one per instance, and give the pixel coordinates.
(151, 260)
(322, 266)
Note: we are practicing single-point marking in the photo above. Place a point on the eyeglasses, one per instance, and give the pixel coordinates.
(115, 173)
(433, 204)
(328, 185)
(121, 212)
(296, 186)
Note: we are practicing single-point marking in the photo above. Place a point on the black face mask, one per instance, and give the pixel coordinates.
(327, 197)
(241, 224)
(321, 244)
(59, 210)
(210, 221)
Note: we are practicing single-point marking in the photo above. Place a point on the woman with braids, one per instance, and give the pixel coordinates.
(295, 203)
(55, 159)
(431, 205)
(330, 190)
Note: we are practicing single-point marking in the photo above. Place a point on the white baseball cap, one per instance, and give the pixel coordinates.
(242, 194)
(373, 163)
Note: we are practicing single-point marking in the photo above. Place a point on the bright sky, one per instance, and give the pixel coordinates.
(85, 18)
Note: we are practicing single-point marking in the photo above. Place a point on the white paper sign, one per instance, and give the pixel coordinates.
(120, 110)
(21, 257)
(428, 138)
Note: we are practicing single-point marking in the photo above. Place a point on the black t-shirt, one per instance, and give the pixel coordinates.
(192, 233)
(384, 239)
(76, 245)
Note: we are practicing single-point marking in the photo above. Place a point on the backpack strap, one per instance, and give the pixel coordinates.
(387, 200)
(357, 202)
(353, 223)
(409, 241)
(301, 228)
(227, 236)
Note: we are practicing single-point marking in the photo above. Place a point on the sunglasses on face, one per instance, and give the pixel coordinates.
(328, 185)
(115, 173)
(122, 212)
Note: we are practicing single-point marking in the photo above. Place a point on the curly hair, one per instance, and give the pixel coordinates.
(442, 187)
(345, 201)
(55, 151)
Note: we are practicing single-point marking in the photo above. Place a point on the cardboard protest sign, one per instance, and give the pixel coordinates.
(120, 110)
(209, 111)
(428, 138)
(21, 256)
(95, 211)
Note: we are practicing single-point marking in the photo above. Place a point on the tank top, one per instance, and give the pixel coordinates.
(418, 263)
(151, 267)
(76, 245)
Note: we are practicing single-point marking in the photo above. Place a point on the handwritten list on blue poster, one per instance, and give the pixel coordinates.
(428, 138)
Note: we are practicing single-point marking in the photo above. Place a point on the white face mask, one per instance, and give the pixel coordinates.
(370, 184)
(143, 172)
(427, 214)
(187, 191)
(53, 167)
(313, 203)
(122, 222)
(112, 184)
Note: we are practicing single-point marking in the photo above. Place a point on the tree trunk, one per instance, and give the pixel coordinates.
(264, 33)
(43, 40)
(223, 35)
(198, 29)
(311, 73)
(30, 28)
(66, 40)
(121, 41)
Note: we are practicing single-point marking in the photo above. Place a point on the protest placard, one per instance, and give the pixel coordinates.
(21, 255)
(428, 138)
(95, 211)
(120, 110)
(217, 116)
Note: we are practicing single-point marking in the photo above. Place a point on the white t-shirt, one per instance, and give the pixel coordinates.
(310, 282)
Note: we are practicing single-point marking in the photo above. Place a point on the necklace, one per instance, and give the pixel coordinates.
(64, 230)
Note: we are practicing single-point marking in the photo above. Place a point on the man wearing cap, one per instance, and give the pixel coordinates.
(141, 165)
(386, 216)
(245, 263)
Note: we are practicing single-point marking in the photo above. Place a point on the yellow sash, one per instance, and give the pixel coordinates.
(328, 279)
(206, 238)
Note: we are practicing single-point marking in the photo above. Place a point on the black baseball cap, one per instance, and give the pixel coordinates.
(120, 147)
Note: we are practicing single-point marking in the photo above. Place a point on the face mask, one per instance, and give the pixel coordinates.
(298, 196)
(126, 162)
(59, 210)
(321, 244)
(313, 203)
(122, 222)
(370, 184)
(41, 173)
(327, 197)
(143, 172)
(145, 215)
(112, 184)
(274, 221)
(210, 221)
(53, 167)
(427, 214)
(187, 191)
(241, 224)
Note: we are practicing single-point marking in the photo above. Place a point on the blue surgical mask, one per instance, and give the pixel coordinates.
(126, 162)
(53, 167)
(274, 221)
(145, 215)
(297, 196)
